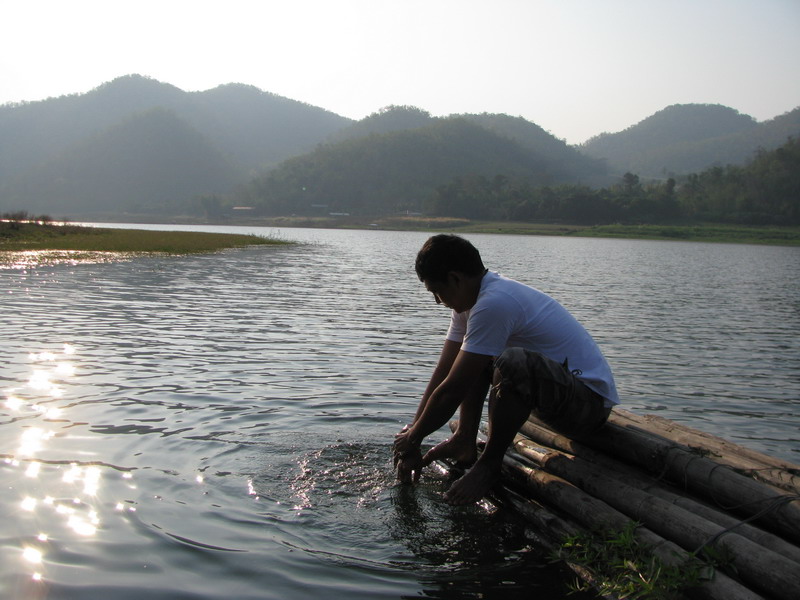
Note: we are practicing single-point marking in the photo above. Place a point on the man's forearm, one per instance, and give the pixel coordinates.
(440, 373)
(438, 409)
(435, 382)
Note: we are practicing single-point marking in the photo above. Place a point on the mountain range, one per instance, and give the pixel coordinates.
(137, 145)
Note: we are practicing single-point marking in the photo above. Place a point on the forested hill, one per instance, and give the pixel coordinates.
(688, 138)
(86, 151)
(582, 167)
(383, 166)
(528, 135)
(386, 120)
(148, 162)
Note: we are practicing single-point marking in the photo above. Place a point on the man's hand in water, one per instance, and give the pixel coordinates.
(409, 468)
(407, 457)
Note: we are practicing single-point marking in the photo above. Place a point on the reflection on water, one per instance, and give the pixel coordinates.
(220, 426)
(32, 259)
(34, 399)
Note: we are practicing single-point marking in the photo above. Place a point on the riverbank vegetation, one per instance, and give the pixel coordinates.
(19, 232)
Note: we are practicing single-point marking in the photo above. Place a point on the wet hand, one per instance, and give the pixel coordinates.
(407, 457)
(402, 443)
(409, 467)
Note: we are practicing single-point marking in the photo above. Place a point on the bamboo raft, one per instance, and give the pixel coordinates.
(687, 490)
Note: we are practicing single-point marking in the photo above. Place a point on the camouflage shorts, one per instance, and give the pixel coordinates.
(556, 396)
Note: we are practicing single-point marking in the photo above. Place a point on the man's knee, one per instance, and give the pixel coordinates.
(528, 375)
(497, 377)
(550, 391)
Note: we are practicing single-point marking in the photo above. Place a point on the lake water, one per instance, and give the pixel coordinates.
(220, 426)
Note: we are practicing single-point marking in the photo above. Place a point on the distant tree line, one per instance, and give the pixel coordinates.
(765, 191)
(23, 216)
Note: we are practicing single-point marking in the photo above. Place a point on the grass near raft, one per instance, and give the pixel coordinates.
(16, 237)
(619, 566)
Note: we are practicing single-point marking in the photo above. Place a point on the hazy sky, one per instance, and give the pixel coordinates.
(575, 67)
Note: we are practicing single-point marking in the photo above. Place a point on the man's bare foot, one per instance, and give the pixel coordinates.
(464, 453)
(473, 485)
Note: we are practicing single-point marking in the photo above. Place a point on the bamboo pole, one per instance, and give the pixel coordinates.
(771, 470)
(776, 509)
(754, 534)
(657, 487)
(593, 514)
(760, 568)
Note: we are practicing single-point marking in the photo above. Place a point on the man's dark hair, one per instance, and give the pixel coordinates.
(444, 253)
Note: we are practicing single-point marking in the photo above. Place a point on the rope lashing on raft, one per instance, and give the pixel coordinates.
(774, 505)
(672, 454)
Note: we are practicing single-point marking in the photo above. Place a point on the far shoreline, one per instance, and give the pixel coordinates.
(689, 232)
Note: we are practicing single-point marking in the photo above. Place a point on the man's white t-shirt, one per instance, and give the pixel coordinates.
(510, 314)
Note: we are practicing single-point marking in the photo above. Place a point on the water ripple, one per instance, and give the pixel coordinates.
(219, 426)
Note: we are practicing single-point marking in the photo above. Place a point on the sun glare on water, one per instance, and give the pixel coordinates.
(70, 500)
(32, 259)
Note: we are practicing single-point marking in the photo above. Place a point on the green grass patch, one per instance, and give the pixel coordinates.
(16, 236)
(621, 567)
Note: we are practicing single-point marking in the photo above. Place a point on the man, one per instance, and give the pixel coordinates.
(537, 358)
